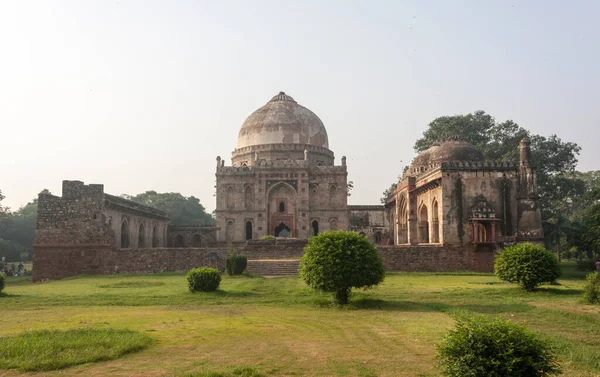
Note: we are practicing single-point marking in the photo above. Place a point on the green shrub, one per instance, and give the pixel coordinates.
(2, 283)
(235, 263)
(337, 261)
(479, 346)
(527, 265)
(591, 290)
(203, 279)
(56, 349)
(269, 237)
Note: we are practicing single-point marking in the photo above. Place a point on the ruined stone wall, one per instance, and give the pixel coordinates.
(372, 221)
(63, 261)
(75, 218)
(434, 258)
(60, 261)
(192, 236)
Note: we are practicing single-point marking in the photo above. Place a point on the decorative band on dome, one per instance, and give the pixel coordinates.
(282, 97)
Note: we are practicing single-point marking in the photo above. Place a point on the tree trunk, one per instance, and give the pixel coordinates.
(342, 295)
(558, 247)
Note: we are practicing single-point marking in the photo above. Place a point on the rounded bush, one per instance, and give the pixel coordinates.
(2, 283)
(591, 290)
(527, 265)
(480, 346)
(203, 279)
(337, 261)
(236, 263)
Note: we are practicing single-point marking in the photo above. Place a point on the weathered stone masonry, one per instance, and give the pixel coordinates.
(58, 262)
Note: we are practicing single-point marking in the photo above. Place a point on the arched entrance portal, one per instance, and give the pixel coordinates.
(282, 208)
(282, 230)
(248, 230)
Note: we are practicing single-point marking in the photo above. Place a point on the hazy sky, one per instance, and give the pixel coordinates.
(142, 95)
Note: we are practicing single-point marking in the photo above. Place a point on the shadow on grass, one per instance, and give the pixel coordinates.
(434, 306)
(559, 292)
(401, 306)
(496, 308)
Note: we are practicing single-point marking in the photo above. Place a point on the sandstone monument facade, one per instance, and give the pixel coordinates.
(451, 210)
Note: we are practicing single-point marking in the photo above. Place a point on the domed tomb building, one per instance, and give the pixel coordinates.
(283, 180)
(451, 196)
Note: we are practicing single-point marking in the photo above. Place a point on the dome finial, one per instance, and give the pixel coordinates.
(282, 97)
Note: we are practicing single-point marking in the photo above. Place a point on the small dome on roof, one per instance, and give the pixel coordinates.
(452, 149)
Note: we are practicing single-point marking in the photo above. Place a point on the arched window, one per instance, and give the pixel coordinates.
(281, 207)
(124, 234)
(423, 225)
(154, 237)
(196, 240)
(179, 241)
(248, 197)
(230, 203)
(229, 231)
(248, 230)
(141, 236)
(315, 227)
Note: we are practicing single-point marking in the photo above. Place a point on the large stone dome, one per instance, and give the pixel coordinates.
(283, 121)
(452, 149)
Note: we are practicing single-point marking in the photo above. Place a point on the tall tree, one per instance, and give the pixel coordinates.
(182, 210)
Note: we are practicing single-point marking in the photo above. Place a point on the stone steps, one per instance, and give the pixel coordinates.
(273, 267)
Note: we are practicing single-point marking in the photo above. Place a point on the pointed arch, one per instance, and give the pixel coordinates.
(154, 236)
(248, 230)
(141, 236)
(248, 198)
(230, 199)
(403, 220)
(333, 191)
(124, 234)
(315, 227)
(229, 230)
(333, 224)
(423, 224)
(179, 241)
(435, 223)
(196, 240)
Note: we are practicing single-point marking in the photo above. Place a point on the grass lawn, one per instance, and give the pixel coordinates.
(282, 328)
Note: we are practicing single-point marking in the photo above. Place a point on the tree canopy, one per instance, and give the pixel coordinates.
(182, 210)
(17, 231)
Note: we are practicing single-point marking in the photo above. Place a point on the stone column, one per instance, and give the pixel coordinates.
(413, 235)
